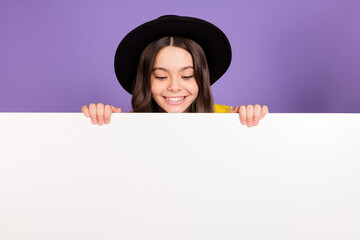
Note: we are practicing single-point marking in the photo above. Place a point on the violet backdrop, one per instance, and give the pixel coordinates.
(293, 56)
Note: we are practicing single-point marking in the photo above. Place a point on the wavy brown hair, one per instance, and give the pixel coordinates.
(142, 100)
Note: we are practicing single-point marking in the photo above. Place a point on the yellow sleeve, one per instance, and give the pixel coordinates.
(222, 108)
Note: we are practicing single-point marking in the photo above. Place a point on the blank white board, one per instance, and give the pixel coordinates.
(179, 176)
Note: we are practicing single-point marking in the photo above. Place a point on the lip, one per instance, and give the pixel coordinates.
(175, 103)
(174, 96)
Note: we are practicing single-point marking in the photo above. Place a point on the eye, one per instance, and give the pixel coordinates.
(160, 77)
(188, 77)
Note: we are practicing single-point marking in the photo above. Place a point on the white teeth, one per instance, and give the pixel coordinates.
(175, 99)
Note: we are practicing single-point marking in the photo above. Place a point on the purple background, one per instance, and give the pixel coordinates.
(291, 55)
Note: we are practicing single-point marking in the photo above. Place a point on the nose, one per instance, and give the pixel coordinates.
(174, 85)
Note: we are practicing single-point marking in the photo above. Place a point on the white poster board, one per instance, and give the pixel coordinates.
(179, 176)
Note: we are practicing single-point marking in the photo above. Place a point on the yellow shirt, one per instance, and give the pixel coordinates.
(218, 108)
(222, 108)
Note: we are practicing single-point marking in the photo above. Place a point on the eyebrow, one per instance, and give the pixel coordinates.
(164, 69)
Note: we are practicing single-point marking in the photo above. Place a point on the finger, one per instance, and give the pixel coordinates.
(264, 111)
(242, 112)
(115, 109)
(107, 114)
(257, 112)
(92, 110)
(100, 113)
(249, 115)
(235, 110)
(85, 110)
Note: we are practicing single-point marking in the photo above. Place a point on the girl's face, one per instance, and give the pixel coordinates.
(173, 86)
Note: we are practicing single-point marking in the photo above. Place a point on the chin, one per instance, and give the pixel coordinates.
(174, 109)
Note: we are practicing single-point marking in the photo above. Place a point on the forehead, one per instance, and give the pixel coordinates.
(173, 57)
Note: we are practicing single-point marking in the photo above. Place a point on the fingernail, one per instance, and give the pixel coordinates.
(93, 120)
(243, 122)
(256, 123)
(250, 123)
(101, 122)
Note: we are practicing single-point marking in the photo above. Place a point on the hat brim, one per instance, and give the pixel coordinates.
(213, 41)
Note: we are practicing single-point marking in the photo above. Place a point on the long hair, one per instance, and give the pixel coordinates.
(142, 100)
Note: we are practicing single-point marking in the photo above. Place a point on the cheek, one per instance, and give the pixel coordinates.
(155, 88)
(193, 88)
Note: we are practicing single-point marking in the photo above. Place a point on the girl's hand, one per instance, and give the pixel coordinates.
(250, 115)
(99, 113)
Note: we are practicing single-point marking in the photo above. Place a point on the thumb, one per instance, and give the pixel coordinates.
(235, 110)
(115, 109)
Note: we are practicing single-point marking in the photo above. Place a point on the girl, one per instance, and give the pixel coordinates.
(168, 65)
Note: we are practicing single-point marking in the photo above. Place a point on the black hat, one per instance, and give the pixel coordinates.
(213, 41)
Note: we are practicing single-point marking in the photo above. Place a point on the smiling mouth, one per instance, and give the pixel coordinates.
(175, 100)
